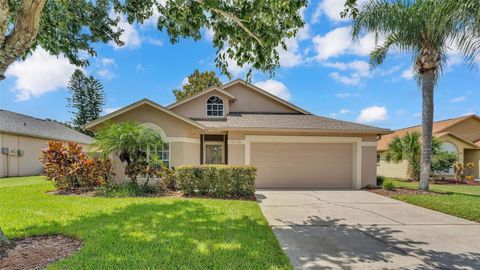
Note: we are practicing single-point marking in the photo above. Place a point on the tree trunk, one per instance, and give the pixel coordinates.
(427, 125)
(24, 32)
(3, 240)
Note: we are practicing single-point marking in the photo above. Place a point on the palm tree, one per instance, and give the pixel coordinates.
(426, 28)
(409, 148)
(130, 142)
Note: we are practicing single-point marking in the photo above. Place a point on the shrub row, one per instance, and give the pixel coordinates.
(217, 180)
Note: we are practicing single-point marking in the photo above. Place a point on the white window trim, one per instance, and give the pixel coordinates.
(169, 153)
(215, 116)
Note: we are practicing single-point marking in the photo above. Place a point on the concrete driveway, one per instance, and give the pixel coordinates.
(361, 230)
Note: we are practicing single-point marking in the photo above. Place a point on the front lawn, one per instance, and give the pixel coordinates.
(143, 233)
(463, 189)
(460, 200)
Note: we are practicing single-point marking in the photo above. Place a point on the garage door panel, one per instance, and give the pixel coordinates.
(303, 165)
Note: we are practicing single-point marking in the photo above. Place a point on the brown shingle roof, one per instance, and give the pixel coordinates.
(438, 127)
(289, 121)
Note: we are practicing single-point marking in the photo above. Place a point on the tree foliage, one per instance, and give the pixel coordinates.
(427, 29)
(409, 148)
(131, 143)
(248, 32)
(87, 98)
(197, 82)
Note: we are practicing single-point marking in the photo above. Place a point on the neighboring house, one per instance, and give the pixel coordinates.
(22, 139)
(459, 135)
(241, 124)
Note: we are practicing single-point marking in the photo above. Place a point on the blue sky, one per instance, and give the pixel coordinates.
(322, 71)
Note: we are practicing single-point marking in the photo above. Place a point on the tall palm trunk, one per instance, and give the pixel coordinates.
(3, 240)
(427, 124)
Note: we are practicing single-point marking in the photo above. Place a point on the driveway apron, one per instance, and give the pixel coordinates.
(350, 229)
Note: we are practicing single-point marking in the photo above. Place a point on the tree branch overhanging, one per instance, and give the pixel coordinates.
(24, 32)
(233, 18)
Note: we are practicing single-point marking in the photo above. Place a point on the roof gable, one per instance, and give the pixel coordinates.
(443, 126)
(271, 102)
(139, 103)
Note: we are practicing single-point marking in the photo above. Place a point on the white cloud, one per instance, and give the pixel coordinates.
(185, 81)
(40, 73)
(106, 73)
(339, 42)
(108, 61)
(341, 112)
(106, 66)
(139, 67)
(275, 87)
(417, 115)
(458, 99)
(154, 41)
(359, 70)
(110, 110)
(347, 80)
(152, 21)
(235, 69)
(329, 8)
(129, 36)
(361, 67)
(407, 74)
(292, 57)
(209, 33)
(346, 95)
(373, 114)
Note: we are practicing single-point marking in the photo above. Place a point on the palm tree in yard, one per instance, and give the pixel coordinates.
(428, 29)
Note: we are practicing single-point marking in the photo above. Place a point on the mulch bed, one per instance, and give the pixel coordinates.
(401, 191)
(451, 182)
(37, 252)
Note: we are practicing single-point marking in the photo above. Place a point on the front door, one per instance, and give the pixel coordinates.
(214, 153)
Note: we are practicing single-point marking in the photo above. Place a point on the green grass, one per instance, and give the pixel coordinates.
(143, 233)
(460, 200)
(463, 189)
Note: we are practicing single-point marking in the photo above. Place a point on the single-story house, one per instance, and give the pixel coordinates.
(241, 124)
(22, 139)
(460, 135)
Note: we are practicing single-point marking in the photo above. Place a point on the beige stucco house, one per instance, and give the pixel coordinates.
(22, 139)
(241, 124)
(460, 135)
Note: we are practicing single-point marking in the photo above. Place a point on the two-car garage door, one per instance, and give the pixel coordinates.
(303, 165)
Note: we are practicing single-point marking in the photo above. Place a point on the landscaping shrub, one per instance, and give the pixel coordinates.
(388, 185)
(217, 180)
(69, 167)
(380, 180)
(169, 178)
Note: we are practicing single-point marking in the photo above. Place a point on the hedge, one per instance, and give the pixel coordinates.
(217, 180)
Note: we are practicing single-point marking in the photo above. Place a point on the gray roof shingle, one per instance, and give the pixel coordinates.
(289, 121)
(16, 123)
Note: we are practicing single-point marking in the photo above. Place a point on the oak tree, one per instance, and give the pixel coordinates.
(197, 82)
(247, 32)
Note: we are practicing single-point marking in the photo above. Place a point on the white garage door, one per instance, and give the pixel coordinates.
(303, 165)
